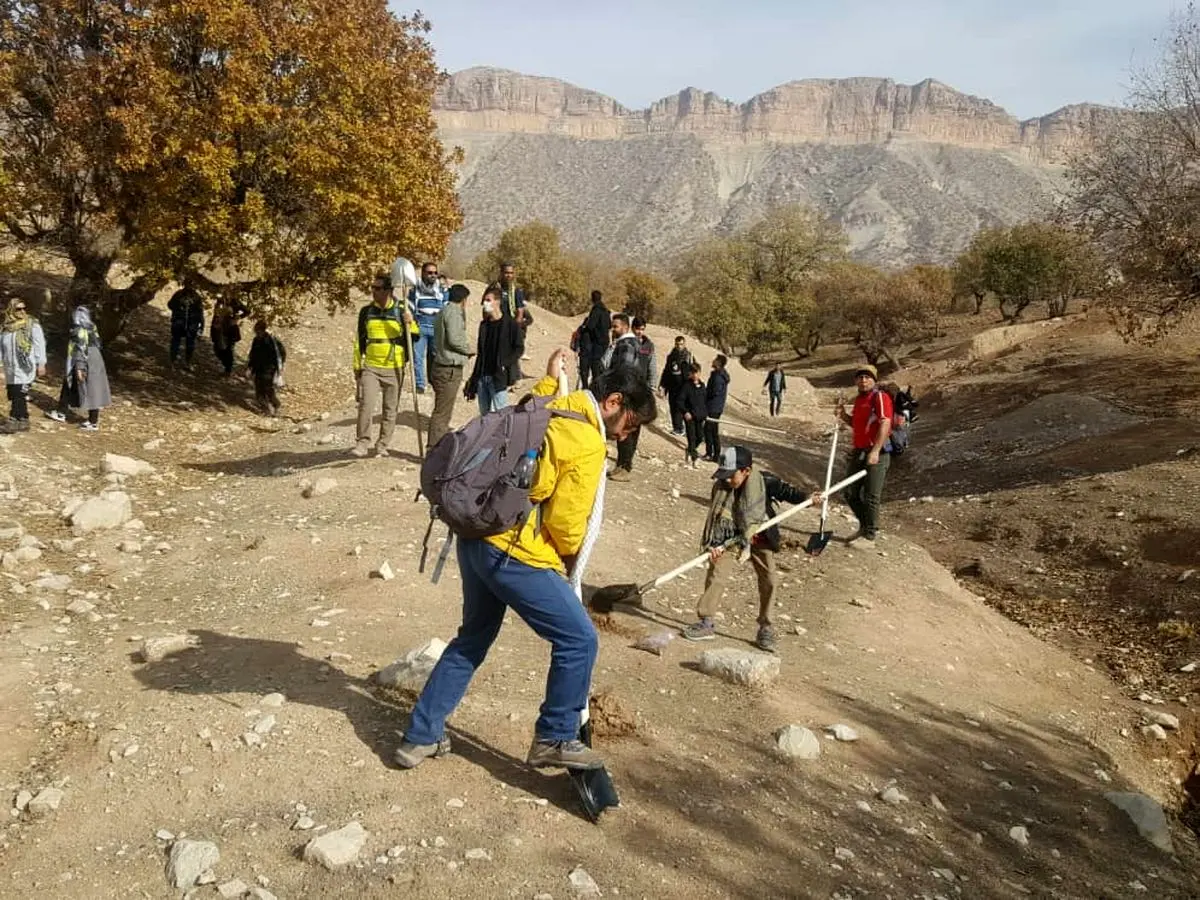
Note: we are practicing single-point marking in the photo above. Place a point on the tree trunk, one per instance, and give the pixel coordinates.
(110, 307)
(979, 298)
(887, 354)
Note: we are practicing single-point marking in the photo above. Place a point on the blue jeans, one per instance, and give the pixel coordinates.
(492, 584)
(490, 399)
(422, 349)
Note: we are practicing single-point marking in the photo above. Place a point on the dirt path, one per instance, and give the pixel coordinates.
(948, 697)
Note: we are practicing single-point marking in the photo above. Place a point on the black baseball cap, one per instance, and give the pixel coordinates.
(732, 459)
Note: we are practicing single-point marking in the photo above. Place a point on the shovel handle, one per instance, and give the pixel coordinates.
(787, 513)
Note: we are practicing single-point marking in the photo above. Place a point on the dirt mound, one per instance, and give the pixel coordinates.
(610, 716)
(1049, 421)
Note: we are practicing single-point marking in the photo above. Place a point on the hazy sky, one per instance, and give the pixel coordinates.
(1030, 56)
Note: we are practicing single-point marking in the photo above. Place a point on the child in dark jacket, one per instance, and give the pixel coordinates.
(715, 394)
(694, 403)
(265, 365)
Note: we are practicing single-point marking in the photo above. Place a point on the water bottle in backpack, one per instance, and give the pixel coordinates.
(524, 471)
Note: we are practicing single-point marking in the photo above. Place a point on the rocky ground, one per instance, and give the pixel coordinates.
(190, 690)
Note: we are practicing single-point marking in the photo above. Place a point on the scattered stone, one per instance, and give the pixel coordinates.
(273, 701)
(130, 546)
(412, 670)
(112, 464)
(861, 603)
(252, 739)
(478, 853)
(893, 796)
(936, 803)
(862, 806)
(1164, 719)
(1019, 835)
(797, 742)
(22, 800)
(55, 583)
(583, 883)
(455, 803)
(14, 559)
(153, 444)
(1147, 815)
(261, 893)
(232, 890)
(304, 823)
(325, 440)
(11, 530)
(318, 488)
(1189, 668)
(264, 725)
(163, 835)
(188, 861)
(66, 545)
(109, 510)
(337, 848)
(80, 607)
(156, 649)
(843, 854)
(46, 801)
(384, 571)
(1155, 732)
(843, 733)
(741, 666)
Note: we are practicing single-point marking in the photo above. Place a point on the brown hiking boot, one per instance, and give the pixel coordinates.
(563, 755)
(619, 474)
(409, 755)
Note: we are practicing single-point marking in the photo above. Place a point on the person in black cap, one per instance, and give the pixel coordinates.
(743, 497)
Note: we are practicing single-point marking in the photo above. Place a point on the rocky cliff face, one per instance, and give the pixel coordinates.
(911, 172)
(843, 111)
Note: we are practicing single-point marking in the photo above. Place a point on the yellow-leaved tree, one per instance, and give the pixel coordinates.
(286, 146)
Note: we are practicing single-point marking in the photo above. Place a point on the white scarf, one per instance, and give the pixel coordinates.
(595, 517)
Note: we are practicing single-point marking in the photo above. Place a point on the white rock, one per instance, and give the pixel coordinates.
(261, 893)
(1019, 835)
(412, 670)
(11, 530)
(1147, 815)
(325, 440)
(843, 733)
(55, 583)
(936, 803)
(232, 890)
(1165, 719)
(109, 510)
(130, 546)
(893, 796)
(740, 666)
(478, 853)
(156, 649)
(188, 861)
(163, 835)
(337, 848)
(304, 823)
(455, 803)
(252, 739)
(583, 883)
(319, 488)
(1189, 668)
(384, 571)
(264, 725)
(153, 444)
(80, 607)
(22, 800)
(112, 464)
(15, 558)
(46, 801)
(66, 545)
(797, 742)
(843, 854)
(1155, 732)
(273, 701)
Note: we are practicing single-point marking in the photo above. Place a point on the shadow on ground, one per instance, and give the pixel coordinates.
(269, 464)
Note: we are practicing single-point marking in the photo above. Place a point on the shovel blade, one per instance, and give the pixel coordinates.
(605, 598)
(818, 541)
(594, 786)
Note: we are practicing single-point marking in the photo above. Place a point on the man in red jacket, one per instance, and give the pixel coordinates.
(871, 421)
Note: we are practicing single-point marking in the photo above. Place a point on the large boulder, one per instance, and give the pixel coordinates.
(740, 666)
(111, 509)
(1147, 815)
(112, 464)
(188, 861)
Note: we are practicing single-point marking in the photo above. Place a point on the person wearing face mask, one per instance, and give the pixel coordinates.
(426, 299)
(536, 569)
(498, 352)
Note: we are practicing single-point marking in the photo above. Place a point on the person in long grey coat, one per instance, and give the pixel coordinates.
(85, 383)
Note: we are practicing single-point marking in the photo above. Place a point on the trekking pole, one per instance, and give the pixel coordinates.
(745, 425)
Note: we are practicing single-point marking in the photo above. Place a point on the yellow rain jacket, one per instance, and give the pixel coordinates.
(569, 470)
(379, 343)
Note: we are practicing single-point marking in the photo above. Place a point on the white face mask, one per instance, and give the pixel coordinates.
(488, 307)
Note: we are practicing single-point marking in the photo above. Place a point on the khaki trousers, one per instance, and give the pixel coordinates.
(763, 561)
(446, 381)
(373, 383)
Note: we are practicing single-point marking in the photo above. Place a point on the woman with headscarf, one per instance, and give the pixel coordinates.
(85, 384)
(23, 355)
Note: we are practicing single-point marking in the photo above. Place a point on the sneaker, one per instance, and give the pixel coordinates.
(421, 390)
(360, 451)
(12, 426)
(88, 426)
(563, 755)
(704, 630)
(619, 474)
(695, 463)
(56, 415)
(766, 639)
(862, 541)
(381, 450)
(409, 755)
(678, 433)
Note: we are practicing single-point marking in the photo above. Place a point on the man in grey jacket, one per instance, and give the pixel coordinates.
(451, 351)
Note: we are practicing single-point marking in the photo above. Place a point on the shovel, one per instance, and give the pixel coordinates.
(820, 540)
(607, 597)
(594, 786)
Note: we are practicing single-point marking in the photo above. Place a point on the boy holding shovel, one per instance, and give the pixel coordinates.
(743, 497)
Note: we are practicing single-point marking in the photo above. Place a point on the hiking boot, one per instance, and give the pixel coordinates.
(409, 755)
(563, 755)
(619, 474)
(704, 630)
(12, 426)
(56, 415)
(360, 451)
(88, 426)
(862, 541)
(766, 639)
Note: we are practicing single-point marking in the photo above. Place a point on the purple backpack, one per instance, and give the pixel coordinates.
(473, 477)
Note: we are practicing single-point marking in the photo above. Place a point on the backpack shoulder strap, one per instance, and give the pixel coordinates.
(363, 314)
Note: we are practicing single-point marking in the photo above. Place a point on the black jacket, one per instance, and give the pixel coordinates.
(693, 399)
(266, 354)
(505, 368)
(675, 372)
(594, 334)
(625, 354)
(782, 380)
(778, 491)
(716, 392)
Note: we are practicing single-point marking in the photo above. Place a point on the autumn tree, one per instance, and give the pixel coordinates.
(1136, 188)
(717, 299)
(884, 311)
(550, 277)
(645, 294)
(966, 273)
(288, 148)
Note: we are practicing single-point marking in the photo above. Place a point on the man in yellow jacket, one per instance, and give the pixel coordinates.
(379, 362)
(526, 569)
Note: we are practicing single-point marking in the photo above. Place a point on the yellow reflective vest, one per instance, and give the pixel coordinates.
(379, 343)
